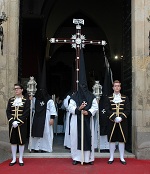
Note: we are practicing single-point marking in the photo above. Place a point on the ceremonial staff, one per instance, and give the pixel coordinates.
(97, 91)
(82, 133)
(54, 99)
(82, 137)
(31, 89)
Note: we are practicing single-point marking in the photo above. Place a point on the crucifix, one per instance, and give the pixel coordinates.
(77, 41)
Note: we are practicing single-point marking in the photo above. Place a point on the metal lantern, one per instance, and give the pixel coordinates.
(97, 89)
(31, 86)
(31, 89)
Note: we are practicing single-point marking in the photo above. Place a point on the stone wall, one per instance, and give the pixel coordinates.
(9, 59)
(140, 79)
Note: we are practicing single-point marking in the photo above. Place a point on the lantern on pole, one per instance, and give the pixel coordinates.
(97, 91)
(31, 89)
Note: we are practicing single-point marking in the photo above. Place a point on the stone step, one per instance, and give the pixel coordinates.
(6, 150)
(68, 155)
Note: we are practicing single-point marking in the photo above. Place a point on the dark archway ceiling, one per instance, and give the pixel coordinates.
(102, 21)
(106, 16)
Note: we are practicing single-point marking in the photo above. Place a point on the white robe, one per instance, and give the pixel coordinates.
(75, 153)
(101, 141)
(67, 136)
(46, 142)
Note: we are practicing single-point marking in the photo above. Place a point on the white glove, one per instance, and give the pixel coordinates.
(118, 119)
(15, 124)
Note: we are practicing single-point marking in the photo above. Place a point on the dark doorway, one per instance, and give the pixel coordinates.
(61, 68)
(104, 20)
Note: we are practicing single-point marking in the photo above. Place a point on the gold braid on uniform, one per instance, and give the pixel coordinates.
(117, 112)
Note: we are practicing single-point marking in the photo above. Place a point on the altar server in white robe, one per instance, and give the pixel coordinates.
(67, 120)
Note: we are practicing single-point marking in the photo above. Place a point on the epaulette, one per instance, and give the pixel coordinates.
(12, 98)
(24, 98)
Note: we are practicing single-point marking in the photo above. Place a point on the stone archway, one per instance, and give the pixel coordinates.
(140, 70)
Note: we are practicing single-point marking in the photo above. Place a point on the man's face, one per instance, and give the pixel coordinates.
(18, 90)
(116, 87)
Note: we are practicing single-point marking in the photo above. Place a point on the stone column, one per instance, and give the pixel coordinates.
(9, 59)
(140, 79)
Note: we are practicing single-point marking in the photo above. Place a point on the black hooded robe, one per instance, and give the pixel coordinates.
(75, 131)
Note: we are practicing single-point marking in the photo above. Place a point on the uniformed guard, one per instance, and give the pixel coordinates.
(117, 110)
(18, 109)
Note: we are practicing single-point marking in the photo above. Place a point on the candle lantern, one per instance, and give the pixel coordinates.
(31, 87)
(97, 89)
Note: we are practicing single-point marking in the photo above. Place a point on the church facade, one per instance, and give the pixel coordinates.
(10, 64)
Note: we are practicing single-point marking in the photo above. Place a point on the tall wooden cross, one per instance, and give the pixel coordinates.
(77, 41)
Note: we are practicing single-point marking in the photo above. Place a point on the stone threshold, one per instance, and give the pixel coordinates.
(68, 155)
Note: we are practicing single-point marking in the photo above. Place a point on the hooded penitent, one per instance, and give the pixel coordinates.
(83, 94)
(107, 90)
(42, 98)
